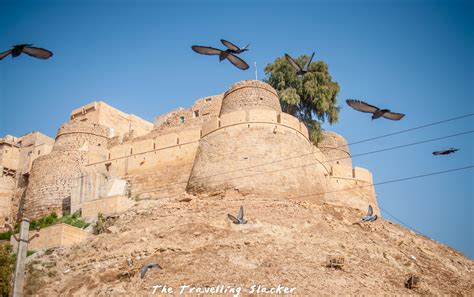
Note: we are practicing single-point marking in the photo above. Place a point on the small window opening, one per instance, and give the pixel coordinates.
(39, 152)
(181, 119)
(208, 99)
(196, 113)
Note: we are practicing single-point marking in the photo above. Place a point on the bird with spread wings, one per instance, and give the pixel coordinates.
(229, 54)
(375, 111)
(299, 70)
(28, 49)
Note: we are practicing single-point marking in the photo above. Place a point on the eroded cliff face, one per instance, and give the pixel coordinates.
(285, 242)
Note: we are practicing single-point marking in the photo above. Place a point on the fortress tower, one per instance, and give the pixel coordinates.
(254, 147)
(53, 176)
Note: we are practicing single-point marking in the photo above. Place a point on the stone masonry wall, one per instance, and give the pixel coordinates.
(223, 153)
(53, 176)
(336, 150)
(51, 180)
(7, 188)
(250, 94)
(73, 136)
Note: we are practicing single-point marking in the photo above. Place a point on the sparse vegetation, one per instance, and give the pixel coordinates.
(5, 235)
(7, 265)
(34, 276)
(102, 224)
(74, 220)
(49, 220)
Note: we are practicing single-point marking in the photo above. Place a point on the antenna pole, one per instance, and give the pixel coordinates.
(256, 76)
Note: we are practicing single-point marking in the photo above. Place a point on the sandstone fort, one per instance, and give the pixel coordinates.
(237, 140)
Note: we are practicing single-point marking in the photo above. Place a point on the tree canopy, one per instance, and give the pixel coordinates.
(311, 97)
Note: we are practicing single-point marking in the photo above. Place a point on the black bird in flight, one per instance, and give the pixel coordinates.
(240, 217)
(297, 67)
(229, 54)
(375, 111)
(232, 48)
(145, 268)
(446, 152)
(36, 52)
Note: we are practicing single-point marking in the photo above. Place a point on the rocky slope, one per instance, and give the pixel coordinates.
(284, 242)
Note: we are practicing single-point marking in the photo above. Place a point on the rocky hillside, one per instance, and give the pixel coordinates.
(286, 243)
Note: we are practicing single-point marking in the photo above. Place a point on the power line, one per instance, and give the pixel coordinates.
(389, 181)
(342, 158)
(399, 220)
(304, 165)
(412, 129)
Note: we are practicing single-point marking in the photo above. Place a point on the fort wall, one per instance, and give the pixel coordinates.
(250, 94)
(53, 176)
(59, 235)
(105, 115)
(238, 140)
(7, 190)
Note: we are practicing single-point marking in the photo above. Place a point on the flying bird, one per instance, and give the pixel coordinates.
(297, 67)
(240, 217)
(446, 152)
(232, 48)
(370, 217)
(36, 52)
(375, 111)
(228, 54)
(145, 268)
(370, 212)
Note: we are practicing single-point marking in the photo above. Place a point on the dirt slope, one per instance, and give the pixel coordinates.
(284, 242)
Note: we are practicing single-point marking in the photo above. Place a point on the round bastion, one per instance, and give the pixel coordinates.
(53, 176)
(250, 94)
(335, 148)
(255, 148)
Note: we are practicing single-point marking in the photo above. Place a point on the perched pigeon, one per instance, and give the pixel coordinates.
(240, 217)
(446, 152)
(145, 268)
(36, 52)
(232, 48)
(227, 54)
(375, 111)
(297, 67)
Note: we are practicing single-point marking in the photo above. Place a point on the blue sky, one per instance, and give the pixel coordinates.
(414, 57)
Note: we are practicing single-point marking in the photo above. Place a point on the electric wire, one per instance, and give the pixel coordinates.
(304, 165)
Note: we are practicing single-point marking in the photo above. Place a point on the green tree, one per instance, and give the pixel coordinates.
(7, 264)
(311, 97)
